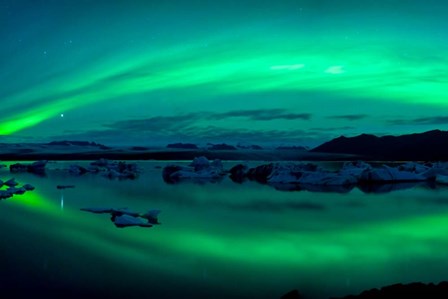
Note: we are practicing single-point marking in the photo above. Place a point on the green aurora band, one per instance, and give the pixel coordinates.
(375, 58)
(352, 73)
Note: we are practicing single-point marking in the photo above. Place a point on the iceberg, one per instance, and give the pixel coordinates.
(390, 174)
(122, 217)
(199, 169)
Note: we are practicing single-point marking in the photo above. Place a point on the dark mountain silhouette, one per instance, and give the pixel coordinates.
(77, 143)
(221, 146)
(428, 146)
(252, 147)
(291, 148)
(182, 145)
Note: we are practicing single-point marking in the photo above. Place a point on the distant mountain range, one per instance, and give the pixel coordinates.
(77, 143)
(427, 146)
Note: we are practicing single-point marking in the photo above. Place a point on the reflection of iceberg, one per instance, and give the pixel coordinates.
(314, 188)
(287, 187)
(123, 217)
(388, 187)
(328, 188)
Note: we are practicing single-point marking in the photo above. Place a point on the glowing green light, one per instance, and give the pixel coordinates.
(249, 68)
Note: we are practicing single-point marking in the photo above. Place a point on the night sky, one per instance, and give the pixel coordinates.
(253, 72)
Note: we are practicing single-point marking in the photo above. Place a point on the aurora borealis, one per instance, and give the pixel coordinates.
(203, 71)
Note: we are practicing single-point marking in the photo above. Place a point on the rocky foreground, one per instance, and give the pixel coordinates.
(12, 188)
(412, 290)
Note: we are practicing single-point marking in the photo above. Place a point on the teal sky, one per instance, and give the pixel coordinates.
(264, 72)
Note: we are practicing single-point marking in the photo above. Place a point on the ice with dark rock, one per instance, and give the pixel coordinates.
(200, 163)
(260, 173)
(199, 169)
(414, 167)
(390, 174)
(37, 167)
(11, 182)
(28, 187)
(127, 220)
(355, 169)
(442, 179)
(109, 169)
(238, 173)
(5, 194)
(98, 210)
(14, 190)
(77, 170)
(65, 186)
(122, 217)
(100, 162)
(152, 216)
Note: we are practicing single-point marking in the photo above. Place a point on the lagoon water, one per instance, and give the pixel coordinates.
(216, 240)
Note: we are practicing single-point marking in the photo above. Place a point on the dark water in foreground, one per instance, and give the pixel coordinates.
(217, 240)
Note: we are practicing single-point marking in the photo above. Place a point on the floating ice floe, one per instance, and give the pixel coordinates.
(200, 169)
(13, 189)
(299, 176)
(11, 183)
(122, 217)
(37, 167)
(391, 174)
(110, 169)
(28, 187)
(65, 186)
(311, 177)
(442, 179)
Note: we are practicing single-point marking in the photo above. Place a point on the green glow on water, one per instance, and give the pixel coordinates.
(208, 231)
(374, 243)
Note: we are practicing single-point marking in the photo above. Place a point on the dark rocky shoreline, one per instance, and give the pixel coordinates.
(399, 290)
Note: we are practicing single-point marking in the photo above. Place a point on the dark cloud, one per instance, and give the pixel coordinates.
(437, 120)
(218, 133)
(345, 128)
(262, 114)
(160, 131)
(350, 117)
(180, 122)
(17, 138)
(158, 123)
(198, 127)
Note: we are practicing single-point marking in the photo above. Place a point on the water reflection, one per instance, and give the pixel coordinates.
(214, 235)
(314, 188)
(364, 187)
(390, 187)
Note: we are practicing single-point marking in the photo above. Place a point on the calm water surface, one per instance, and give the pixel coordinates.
(217, 240)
